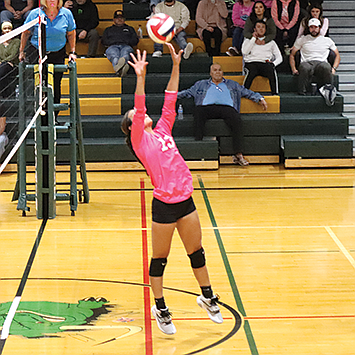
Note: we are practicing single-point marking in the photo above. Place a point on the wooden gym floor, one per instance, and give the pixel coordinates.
(280, 249)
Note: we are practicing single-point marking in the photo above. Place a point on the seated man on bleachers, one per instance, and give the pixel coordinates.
(261, 58)
(3, 137)
(16, 10)
(181, 16)
(216, 98)
(86, 18)
(314, 50)
(119, 40)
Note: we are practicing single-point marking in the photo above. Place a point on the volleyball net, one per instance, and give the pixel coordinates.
(10, 97)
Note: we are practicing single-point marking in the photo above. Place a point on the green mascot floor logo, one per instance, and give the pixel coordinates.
(43, 319)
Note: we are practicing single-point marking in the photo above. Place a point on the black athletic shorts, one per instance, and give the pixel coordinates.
(170, 212)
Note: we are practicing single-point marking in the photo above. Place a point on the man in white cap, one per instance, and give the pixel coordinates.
(315, 50)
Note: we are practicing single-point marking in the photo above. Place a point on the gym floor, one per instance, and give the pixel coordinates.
(280, 250)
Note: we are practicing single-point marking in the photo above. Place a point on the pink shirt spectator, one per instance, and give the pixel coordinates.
(284, 23)
(267, 3)
(240, 14)
(158, 153)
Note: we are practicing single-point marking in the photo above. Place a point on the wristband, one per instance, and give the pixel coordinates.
(73, 52)
(335, 68)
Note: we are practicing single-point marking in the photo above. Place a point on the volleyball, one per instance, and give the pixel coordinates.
(161, 28)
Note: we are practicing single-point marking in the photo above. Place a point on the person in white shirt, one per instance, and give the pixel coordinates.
(261, 58)
(314, 50)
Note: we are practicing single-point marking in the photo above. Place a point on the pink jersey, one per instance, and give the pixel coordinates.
(158, 153)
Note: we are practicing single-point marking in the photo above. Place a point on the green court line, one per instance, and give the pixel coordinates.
(238, 300)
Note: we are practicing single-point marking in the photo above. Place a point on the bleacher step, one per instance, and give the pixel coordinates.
(316, 146)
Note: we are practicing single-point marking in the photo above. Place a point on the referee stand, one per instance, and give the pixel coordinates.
(45, 144)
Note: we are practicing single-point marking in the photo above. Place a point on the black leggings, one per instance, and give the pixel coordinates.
(266, 70)
(7, 72)
(207, 36)
(230, 116)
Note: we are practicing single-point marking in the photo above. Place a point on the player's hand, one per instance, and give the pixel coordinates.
(139, 62)
(175, 57)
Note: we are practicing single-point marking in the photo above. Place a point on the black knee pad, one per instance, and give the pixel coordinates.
(197, 259)
(157, 267)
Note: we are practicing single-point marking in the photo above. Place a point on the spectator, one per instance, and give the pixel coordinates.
(181, 15)
(9, 52)
(314, 50)
(261, 59)
(211, 23)
(4, 140)
(218, 97)
(268, 3)
(240, 13)
(63, 28)
(119, 40)
(86, 17)
(315, 11)
(286, 14)
(16, 10)
(260, 12)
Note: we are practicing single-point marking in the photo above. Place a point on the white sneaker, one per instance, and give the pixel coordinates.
(163, 318)
(188, 50)
(157, 54)
(232, 52)
(210, 305)
(121, 62)
(123, 71)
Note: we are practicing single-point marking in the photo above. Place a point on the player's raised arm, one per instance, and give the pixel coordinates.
(139, 64)
(173, 84)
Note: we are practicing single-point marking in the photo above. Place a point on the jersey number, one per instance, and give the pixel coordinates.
(167, 143)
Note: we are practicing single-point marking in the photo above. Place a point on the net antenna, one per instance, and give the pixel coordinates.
(6, 37)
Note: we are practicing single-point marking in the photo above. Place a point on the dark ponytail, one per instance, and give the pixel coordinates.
(125, 128)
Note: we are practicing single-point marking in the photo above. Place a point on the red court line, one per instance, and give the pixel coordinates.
(147, 312)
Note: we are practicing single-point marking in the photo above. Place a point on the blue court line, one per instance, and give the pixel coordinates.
(236, 294)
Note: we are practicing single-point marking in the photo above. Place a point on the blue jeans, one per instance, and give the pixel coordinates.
(180, 39)
(115, 52)
(238, 38)
(8, 16)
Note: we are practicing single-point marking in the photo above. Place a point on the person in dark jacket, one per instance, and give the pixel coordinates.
(119, 40)
(16, 10)
(86, 18)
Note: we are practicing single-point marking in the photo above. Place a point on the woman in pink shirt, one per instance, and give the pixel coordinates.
(286, 15)
(240, 13)
(172, 205)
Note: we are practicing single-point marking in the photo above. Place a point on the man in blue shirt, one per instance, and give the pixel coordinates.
(218, 97)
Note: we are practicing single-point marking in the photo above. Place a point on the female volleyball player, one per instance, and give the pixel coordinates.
(172, 205)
